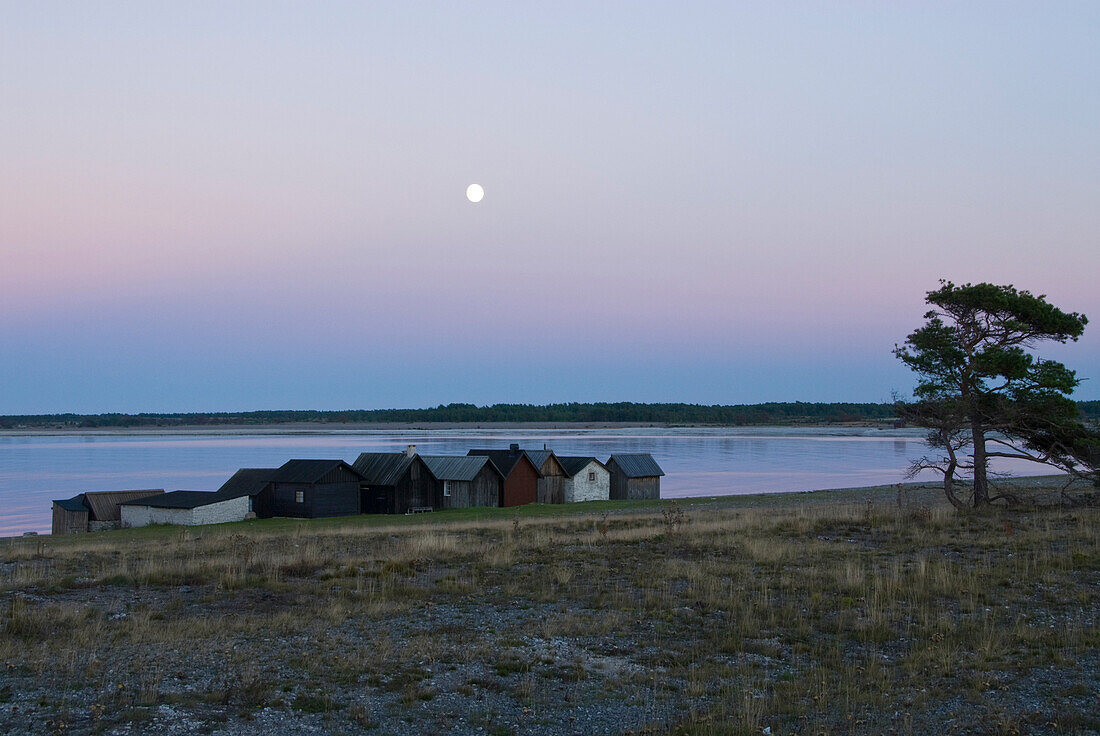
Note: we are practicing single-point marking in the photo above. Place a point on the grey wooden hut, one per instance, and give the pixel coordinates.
(465, 480)
(315, 488)
(93, 511)
(634, 476)
(397, 483)
(550, 487)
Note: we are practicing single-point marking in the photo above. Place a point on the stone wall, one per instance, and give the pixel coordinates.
(235, 509)
(579, 488)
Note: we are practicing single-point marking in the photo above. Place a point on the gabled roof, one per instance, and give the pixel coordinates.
(506, 460)
(538, 457)
(246, 482)
(574, 465)
(76, 503)
(456, 467)
(308, 471)
(638, 465)
(180, 500)
(382, 468)
(104, 504)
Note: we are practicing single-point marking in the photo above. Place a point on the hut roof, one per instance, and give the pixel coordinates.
(506, 460)
(104, 504)
(637, 465)
(382, 468)
(456, 467)
(308, 471)
(180, 499)
(246, 482)
(539, 457)
(76, 503)
(574, 465)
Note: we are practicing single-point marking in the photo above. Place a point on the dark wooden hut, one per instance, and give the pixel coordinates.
(315, 488)
(520, 475)
(634, 476)
(93, 511)
(257, 484)
(397, 483)
(552, 476)
(465, 480)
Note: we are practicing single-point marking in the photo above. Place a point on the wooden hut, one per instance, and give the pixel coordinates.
(520, 475)
(315, 488)
(397, 483)
(634, 476)
(587, 479)
(257, 485)
(93, 511)
(550, 487)
(465, 480)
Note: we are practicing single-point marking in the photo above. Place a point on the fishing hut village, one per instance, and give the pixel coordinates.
(375, 483)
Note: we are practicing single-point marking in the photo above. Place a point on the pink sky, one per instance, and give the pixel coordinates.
(702, 204)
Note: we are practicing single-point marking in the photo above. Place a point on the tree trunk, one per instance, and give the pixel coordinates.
(981, 482)
(949, 483)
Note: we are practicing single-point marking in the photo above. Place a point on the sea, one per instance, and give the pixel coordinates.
(35, 469)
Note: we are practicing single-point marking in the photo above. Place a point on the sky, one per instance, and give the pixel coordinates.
(229, 206)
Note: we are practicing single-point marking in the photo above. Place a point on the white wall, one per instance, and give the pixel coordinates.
(579, 488)
(235, 509)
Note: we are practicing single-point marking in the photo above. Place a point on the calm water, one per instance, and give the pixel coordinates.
(698, 462)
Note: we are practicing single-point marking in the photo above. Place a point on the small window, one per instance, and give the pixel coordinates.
(591, 476)
(299, 496)
(446, 488)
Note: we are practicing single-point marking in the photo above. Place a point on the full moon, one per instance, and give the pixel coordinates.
(474, 193)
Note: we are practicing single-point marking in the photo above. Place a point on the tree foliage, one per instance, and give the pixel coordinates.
(628, 412)
(981, 389)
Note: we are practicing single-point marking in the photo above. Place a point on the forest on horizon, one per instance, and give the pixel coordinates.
(720, 415)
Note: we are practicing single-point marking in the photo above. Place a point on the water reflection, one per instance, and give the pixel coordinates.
(698, 461)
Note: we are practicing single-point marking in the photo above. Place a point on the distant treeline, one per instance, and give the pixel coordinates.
(771, 413)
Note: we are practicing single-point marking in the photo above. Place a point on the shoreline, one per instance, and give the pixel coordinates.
(1033, 485)
(354, 427)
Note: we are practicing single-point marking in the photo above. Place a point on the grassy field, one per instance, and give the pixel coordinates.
(845, 612)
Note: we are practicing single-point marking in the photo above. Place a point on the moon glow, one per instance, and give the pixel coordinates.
(474, 193)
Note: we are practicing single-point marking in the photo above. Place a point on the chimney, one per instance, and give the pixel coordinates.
(410, 450)
(513, 448)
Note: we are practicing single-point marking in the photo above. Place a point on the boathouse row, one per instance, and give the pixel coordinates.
(376, 483)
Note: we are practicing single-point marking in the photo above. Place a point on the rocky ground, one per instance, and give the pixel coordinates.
(856, 612)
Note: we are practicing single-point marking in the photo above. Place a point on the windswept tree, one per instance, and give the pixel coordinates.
(980, 390)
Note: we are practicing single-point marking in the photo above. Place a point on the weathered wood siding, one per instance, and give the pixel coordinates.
(486, 488)
(263, 503)
(68, 522)
(551, 486)
(521, 485)
(624, 488)
(321, 499)
(376, 499)
(483, 490)
(417, 488)
(644, 488)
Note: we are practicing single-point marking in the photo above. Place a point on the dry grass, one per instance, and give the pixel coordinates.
(805, 616)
